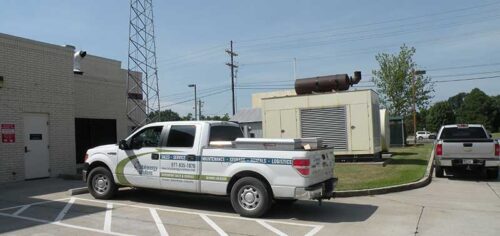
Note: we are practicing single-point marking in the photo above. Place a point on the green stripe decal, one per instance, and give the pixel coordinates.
(120, 167)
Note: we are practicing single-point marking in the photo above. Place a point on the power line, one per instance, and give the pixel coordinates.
(467, 79)
(350, 39)
(373, 23)
(462, 67)
(190, 100)
(372, 50)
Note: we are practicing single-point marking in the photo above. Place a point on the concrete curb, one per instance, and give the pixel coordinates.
(424, 181)
(77, 191)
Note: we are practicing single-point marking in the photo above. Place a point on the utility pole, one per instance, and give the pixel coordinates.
(415, 73)
(195, 101)
(200, 104)
(232, 65)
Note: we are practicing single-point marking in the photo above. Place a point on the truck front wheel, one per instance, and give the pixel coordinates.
(250, 197)
(101, 183)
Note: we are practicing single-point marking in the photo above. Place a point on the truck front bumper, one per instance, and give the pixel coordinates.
(323, 190)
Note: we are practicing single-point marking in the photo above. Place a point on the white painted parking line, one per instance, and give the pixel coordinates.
(62, 224)
(269, 227)
(213, 225)
(65, 210)
(159, 224)
(34, 204)
(107, 217)
(315, 230)
(21, 210)
(153, 210)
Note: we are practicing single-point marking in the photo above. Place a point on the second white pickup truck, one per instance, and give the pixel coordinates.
(466, 147)
(210, 157)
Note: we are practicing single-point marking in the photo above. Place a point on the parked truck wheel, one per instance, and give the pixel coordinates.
(250, 197)
(439, 171)
(101, 183)
(492, 173)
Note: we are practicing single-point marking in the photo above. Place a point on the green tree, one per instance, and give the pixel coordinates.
(496, 122)
(189, 116)
(456, 101)
(165, 115)
(225, 117)
(441, 113)
(478, 108)
(394, 82)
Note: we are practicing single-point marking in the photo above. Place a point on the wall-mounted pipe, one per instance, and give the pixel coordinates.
(77, 57)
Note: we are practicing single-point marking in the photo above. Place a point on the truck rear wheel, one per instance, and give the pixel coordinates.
(250, 197)
(492, 173)
(101, 183)
(439, 172)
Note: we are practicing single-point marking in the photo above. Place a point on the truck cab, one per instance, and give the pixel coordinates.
(211, 157)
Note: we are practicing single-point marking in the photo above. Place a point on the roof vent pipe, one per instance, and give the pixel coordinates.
(77, 58)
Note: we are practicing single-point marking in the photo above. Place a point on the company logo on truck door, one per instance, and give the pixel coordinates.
(120, 167)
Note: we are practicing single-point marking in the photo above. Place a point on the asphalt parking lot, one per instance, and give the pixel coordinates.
(446, 207)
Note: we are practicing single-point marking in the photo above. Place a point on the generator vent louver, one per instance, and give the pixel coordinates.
(327, 123)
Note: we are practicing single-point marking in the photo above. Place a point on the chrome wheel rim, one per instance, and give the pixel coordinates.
(100, 183)
(249, 197)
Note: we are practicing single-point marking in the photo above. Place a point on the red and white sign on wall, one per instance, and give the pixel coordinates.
(8, 133)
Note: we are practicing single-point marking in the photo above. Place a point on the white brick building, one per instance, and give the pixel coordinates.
(53, 113)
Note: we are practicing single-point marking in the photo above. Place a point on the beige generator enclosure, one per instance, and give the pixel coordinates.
(349, 121)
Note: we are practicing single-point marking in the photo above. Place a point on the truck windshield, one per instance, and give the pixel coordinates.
(225, 133)
(463, 133)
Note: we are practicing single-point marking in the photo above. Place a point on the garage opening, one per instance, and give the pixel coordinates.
(90, 133)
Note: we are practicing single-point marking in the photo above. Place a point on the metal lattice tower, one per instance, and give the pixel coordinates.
(142, 82)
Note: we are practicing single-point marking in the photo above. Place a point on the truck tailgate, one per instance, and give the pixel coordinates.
(468, 149)
(321, 167)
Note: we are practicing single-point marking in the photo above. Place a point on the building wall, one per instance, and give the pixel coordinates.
(100, 93)
(37, 79)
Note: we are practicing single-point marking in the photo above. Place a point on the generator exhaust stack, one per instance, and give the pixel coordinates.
(329, 83)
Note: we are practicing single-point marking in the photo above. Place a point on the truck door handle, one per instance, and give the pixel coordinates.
(191, 158)
(155, 156)
(26, 149)
(467, 144)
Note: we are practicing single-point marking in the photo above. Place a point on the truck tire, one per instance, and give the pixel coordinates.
(250, 197)
(101, 183)
(492, 173)
(439, 171)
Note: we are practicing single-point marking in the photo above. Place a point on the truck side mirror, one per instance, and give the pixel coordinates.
(123, 145)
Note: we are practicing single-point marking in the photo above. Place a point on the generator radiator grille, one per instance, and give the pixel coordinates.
(326, 123)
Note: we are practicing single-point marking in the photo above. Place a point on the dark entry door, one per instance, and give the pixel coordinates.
(90, 133)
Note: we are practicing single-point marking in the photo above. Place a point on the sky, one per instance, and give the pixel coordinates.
(454, 40)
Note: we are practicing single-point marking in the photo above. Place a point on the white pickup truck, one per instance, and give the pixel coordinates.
(466, 147)
(211, 157)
